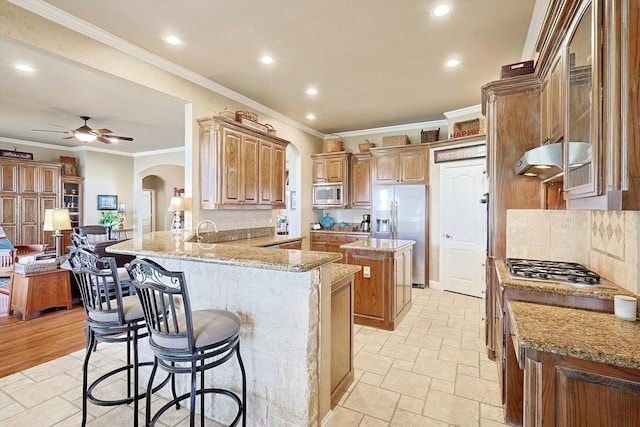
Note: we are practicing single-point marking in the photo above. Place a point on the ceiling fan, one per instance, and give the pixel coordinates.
(85, 134)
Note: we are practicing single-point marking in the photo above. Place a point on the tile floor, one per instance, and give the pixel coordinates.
(431, 371)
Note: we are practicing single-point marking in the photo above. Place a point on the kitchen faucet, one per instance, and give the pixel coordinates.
(204, 221)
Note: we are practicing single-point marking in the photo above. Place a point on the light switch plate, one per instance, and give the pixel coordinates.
(366, 272)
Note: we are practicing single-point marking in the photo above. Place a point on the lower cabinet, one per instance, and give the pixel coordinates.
(565, 391)
(297, 244)
(382, 289)
(331, 241)
(342, 373)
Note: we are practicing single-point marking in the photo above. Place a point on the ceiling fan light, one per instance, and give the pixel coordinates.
(85, 137)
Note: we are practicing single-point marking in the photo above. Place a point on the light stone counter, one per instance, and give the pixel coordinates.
(590, 335)
(379, 245)
(284, 300)
(162, 243)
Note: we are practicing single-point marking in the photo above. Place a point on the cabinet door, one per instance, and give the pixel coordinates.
(231, 164)
(319, 169)
(402, 278)
(49, 180)
(360, 182)
(249, 170)
(28, 179)
(9, 217)
(266, 164)
(555, 101)
(335, 169)
(386, 169)
(414, 167)
(335, 240)
(279, 177)
(29, 217)
(9, 178)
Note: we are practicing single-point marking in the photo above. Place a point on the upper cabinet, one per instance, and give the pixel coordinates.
(582, 160)
(407, 164)
(361, 181)
(552, 104)
(330, 167)
(240, 167)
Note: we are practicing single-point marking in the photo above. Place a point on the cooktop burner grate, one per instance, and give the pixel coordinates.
(552, 271)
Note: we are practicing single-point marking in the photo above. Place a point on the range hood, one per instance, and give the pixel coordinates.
(545, 162)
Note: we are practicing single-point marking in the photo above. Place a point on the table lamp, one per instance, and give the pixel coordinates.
(56, 220)
(176, 206)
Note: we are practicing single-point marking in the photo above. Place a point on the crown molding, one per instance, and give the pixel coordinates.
(47, 11)
(387, 129)
(87, 148)
(535, 25)
(466, 111)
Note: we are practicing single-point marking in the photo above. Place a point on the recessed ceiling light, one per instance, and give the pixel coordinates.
(441, 10)
(172, 40)
(266, 59)
(453, 63)
(310, 117)
(312, 91)
(26, 68)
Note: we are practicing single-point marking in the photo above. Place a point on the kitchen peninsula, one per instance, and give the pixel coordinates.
(284, 300)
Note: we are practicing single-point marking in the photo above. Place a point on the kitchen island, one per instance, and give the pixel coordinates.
(284, 300)
(383, 287)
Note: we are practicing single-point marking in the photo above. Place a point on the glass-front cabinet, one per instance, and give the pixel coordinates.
(72, 198)
(582, 150)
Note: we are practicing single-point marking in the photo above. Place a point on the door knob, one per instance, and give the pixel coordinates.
(448, 236)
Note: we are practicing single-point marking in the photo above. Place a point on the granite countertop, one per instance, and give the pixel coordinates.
(163, 244)
(347, 230)
(340, 271)
(379, 245)
(260, 242)
(584, 334)
(532, 285)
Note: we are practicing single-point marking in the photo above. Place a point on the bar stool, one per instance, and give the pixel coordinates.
(110, 318)
(185, 341)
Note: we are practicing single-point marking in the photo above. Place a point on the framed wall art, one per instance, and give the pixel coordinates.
(107, 202)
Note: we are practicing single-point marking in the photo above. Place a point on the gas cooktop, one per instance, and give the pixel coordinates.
(568, 273)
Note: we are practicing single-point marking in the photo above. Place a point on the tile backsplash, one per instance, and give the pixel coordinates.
(605, 241)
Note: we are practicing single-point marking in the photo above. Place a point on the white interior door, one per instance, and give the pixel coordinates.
(148, 209)
(463, 227)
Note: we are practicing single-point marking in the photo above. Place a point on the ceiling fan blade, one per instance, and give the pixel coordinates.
(47, 130)
(120, 138)
(69, 137)
(102, 131)
(104, 139)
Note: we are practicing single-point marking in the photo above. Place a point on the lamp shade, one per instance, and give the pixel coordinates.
(56, 219)
(85, 137)
(122, 209)
(176, 204)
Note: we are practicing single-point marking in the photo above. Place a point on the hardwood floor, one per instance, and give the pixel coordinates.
(45, 337)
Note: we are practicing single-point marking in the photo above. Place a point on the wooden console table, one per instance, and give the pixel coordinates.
(35, 292)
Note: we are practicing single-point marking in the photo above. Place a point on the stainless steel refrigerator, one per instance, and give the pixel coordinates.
(400, 212)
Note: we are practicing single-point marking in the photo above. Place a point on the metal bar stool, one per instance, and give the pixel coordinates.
(110, 318)
(185, 341)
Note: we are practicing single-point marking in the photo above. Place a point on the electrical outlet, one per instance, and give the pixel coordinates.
(366, 272)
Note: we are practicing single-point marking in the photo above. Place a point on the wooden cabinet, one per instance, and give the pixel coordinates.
(407, 164)
(240, 167)
(552, 103)
(35, 292)
(27, 189)
(382, 289)
(330, 167)
(360, 197)
(72, 198)
(240, 163)
(272, 174)
(297, 244)
(342, 372)
(331, 241)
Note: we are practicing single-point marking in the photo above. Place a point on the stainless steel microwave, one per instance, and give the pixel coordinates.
(328, 194)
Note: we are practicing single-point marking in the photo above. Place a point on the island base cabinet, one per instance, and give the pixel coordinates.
(342, 373)
(566, 391)
(382, 289)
